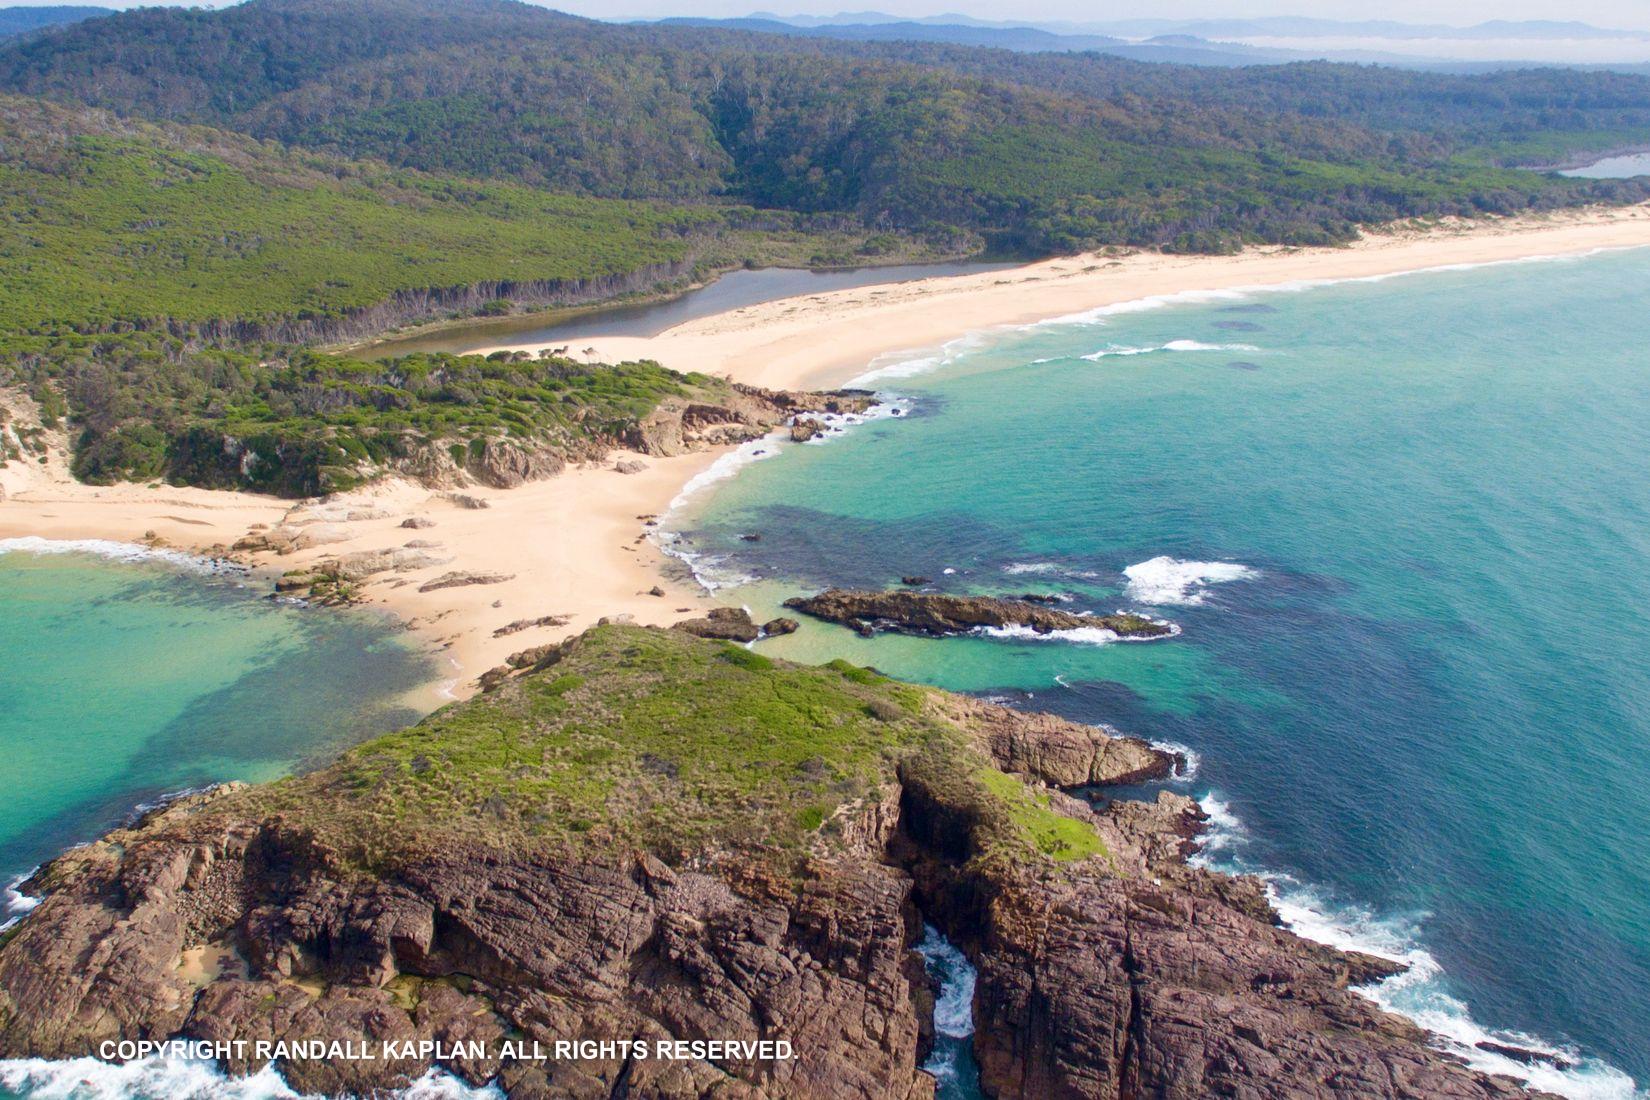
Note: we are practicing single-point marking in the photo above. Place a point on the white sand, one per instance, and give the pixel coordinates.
(574, 544)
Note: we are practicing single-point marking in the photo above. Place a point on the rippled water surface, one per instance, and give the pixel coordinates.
(1405, 528)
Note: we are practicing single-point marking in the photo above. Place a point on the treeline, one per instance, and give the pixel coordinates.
(1040, 152)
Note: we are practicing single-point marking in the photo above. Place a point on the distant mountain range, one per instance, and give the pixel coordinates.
(1235, 42)
(15, 21)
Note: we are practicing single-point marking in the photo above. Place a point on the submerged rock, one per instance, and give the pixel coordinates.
(935, 613)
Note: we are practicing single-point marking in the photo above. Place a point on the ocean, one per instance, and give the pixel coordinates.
(1404, 527)
(130, 676)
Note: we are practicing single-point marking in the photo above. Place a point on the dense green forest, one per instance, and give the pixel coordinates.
(1040, 152)
(189, 195)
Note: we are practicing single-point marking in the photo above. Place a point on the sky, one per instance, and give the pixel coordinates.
(1627, 14)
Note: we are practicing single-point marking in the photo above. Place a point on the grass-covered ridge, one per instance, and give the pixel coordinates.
(641, 739)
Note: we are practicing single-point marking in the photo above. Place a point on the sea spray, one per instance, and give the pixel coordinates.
(1421, 992)
(14, 904)
(1164, 581)
(952, 1061)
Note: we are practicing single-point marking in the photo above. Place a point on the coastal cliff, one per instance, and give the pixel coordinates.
(650, 836)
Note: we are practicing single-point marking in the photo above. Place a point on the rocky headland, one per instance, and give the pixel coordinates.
(648, 835)
(934, 613)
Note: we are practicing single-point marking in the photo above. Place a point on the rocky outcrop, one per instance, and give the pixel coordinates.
(729, 624)
(1147, 977)
(1057, 752)
(1120, 971)
(933, 613)
(745, 413)
(463, 579)
(472, 945)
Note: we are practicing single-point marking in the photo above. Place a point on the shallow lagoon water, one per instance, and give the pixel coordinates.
(1405, 527)
(129, 680)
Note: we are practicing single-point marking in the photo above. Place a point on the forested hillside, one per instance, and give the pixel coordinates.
(189, 196)
(1041, 152)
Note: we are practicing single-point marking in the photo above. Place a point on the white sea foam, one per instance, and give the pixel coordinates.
(197, 1079)
(1082, 635)
(1047, 568)
(906, 364)
(120, 551)
(1163, 580)
(1099, 314)
(14, 904)
(954, 1006)
(1192, 760)
(1421, 992)
(1172, 345)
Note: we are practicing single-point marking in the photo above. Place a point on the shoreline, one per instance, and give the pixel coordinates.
(579, 545)
(826, 340)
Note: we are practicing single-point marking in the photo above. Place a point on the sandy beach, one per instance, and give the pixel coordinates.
(828, 339)
(576, 546)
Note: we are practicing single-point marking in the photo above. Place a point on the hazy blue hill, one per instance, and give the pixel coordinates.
(15, 21)
(1026, 39)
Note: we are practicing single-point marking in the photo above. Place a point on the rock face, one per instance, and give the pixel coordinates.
(934, 613)
(1061, 753)
(1124, 972)
(749, 412)
(730, 624)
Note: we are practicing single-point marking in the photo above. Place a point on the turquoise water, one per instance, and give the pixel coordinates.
(127, 681)
(1404, 526)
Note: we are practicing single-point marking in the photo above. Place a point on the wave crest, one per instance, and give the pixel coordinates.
(1163, 580)
(1172, 345)
(1421, 992)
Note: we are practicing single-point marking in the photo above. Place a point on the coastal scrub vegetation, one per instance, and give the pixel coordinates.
(297, 422)
(187, 196)
(650, 739)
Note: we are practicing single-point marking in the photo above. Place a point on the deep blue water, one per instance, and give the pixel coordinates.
(1405, 527)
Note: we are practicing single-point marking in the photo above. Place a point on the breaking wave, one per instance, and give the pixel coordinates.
(1082, 635)
(952, 1063)
(1421, 992)
(1047, 569)
(1172, 345)
(122, 552)
(14, 904)
(1163, 580)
